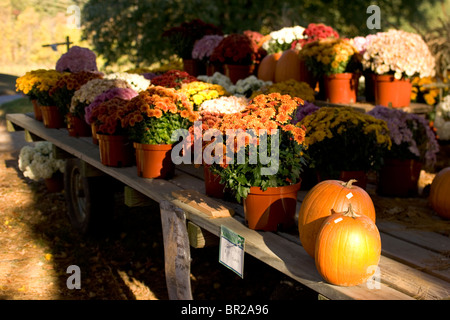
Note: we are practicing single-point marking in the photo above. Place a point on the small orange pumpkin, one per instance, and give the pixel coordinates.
(288, 66)
(318, 202)
(348, 248)
(267, 67)
(440, 193)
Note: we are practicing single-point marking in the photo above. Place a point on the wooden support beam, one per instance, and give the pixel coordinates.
(133, 198)
(177, 256)
(12, 127)
(59, 153)
(200, 238)
(88, 170)
(31, 137)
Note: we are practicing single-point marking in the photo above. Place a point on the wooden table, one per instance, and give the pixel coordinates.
(408, 265)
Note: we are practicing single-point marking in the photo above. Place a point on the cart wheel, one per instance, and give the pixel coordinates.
(89, 200)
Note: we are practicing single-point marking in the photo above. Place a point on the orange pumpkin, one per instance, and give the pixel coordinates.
(288, 66)
(318, 202)
(267, 67)
(440, 193)
(348, 248)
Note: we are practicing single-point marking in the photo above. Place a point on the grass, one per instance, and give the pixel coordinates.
(7, 84)
(21, 105)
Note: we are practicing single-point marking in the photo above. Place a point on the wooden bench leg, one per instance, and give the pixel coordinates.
(176, 252)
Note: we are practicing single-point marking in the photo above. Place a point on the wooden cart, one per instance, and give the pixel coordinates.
(414, 264)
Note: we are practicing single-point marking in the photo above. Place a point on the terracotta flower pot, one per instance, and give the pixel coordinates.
(115, 151)
(399, 178)
(77, 127)
(37, 110)
(212, 68)
(94, 133)
(194, 67)
(236, 72)
(392, 92)
(213, 187)
(52, 117)
(307, 76)
(154, 161)
(55, 183)
(272, 209)
(341, 87)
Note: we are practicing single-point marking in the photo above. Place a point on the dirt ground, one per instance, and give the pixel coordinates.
(126, 263)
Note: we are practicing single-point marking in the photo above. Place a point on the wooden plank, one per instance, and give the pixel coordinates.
(425, 260)
(412, 281)
(203, 203)
(425, 239)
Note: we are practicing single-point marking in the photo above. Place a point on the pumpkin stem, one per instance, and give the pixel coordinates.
(349, 183)
(351, 213)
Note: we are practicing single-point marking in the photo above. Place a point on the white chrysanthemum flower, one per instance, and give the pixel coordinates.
(38, 162)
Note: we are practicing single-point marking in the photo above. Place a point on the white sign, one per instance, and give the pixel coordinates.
(231, 250)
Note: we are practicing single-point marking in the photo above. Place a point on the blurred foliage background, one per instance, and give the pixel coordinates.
(127, 33)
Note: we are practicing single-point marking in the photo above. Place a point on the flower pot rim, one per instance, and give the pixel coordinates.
(344, 75)
(399, 161)
(105, 136)
(277, 190)
(147, 146)
(49, 106)
(389, 77)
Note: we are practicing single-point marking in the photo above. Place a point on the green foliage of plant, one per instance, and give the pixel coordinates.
(239, 177)
(157, 130)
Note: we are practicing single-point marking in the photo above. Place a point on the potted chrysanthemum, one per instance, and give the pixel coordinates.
(38, 162)
(65, 88)
(183, 38)
(394, 57)
(38, 85)
(265, 174)
(202, 51)
(83, 97)
(239, 54)
(339, 63)
(152, 119)
(343, 143)
(91, 118)
(414, 146)
(27, 84)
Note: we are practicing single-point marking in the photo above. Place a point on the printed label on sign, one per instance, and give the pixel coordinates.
(231, 251)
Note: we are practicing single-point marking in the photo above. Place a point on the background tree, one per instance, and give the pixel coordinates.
(133, 29)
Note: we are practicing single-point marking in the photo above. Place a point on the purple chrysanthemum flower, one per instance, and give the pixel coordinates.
(77, 59)
(123, 93)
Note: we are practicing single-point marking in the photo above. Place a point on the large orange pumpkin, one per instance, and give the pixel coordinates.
(288, 66)
(440, 193)
(318, 202)
(348, 248)
(267, 67)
